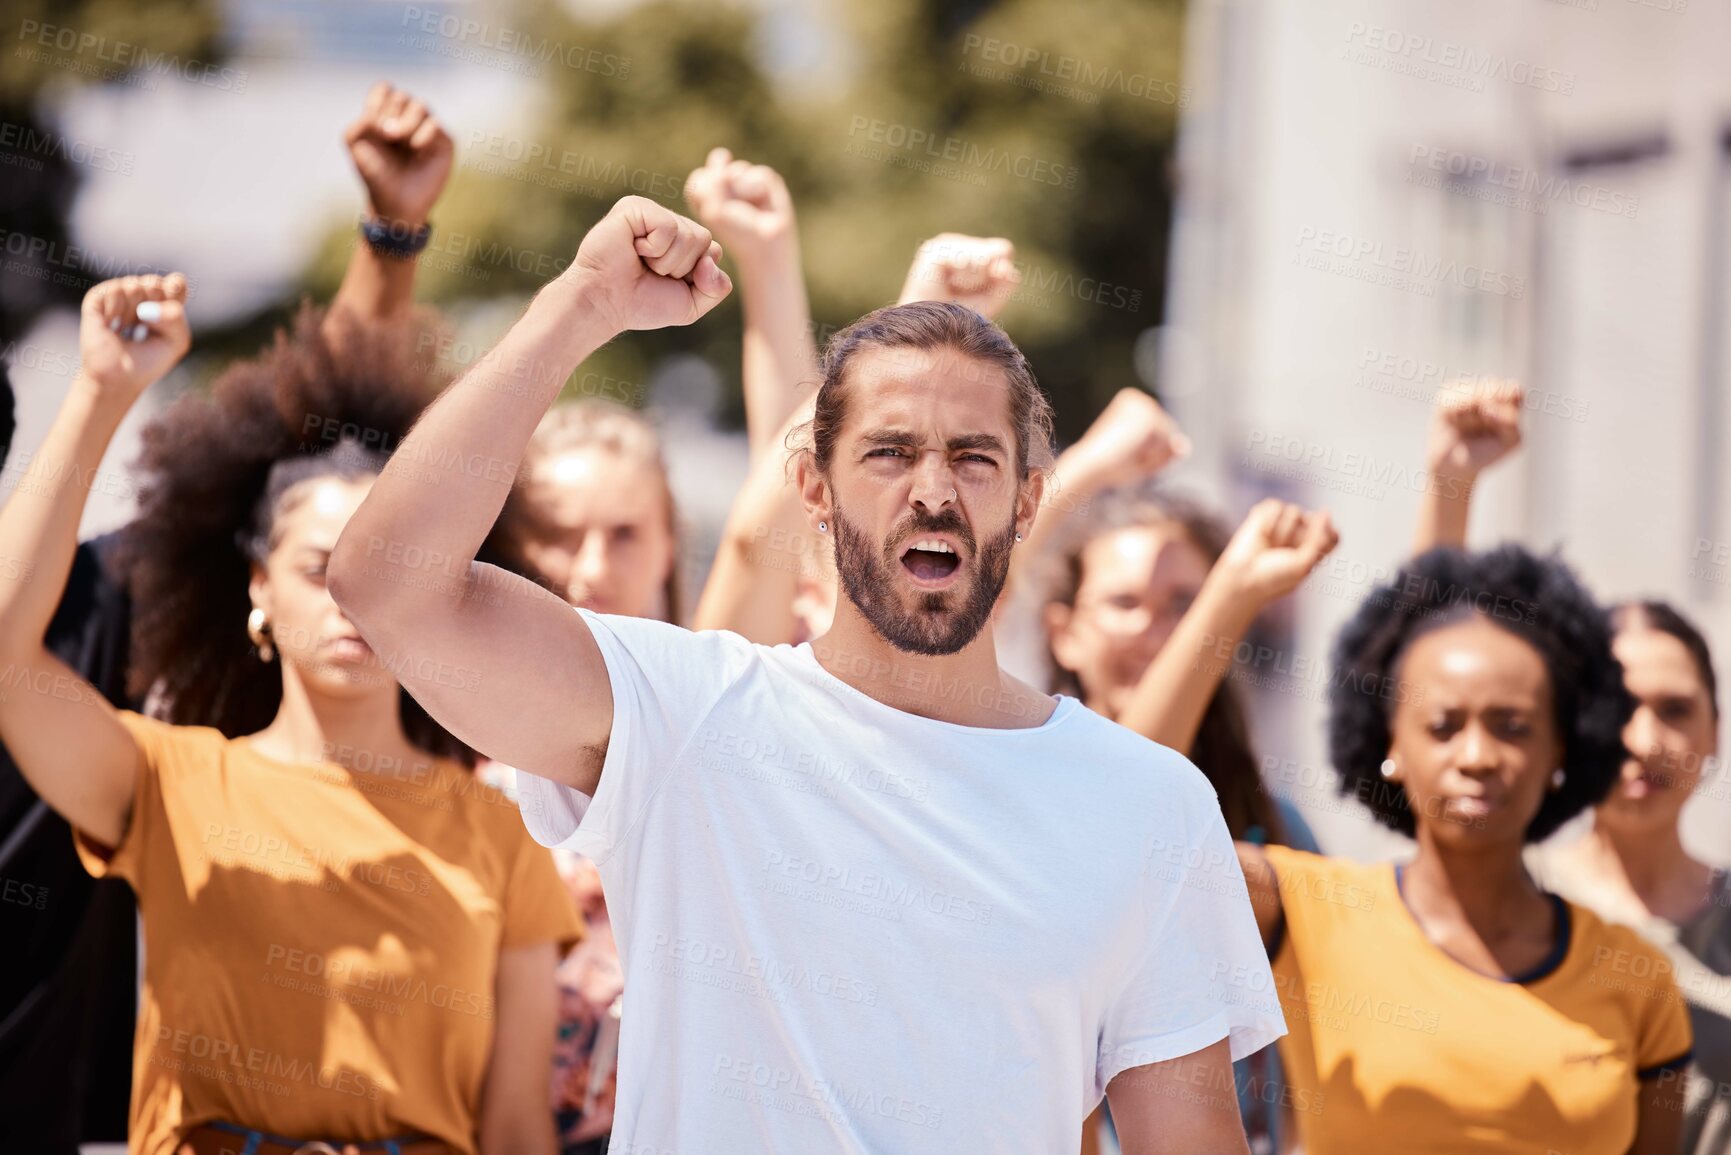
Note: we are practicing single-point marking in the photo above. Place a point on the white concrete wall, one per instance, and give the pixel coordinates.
(1306, 189)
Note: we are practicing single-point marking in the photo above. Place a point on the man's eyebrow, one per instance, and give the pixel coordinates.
(888, 437)
(960, 441)
(976, 441)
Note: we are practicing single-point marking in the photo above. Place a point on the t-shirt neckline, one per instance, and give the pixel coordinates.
(245, 745)
(1548, 966)
(1065, 708)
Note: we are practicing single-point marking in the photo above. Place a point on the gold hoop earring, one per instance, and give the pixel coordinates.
(258, 631)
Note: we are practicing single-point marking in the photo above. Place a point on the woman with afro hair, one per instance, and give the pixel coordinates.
(1631, 865)
(348, 939)
(1449, 1003)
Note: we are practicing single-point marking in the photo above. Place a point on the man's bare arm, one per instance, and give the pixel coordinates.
(1184, 1106)
(501, 663)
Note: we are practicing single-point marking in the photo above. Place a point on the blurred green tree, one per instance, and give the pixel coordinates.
(48, 45)
(1052, 125)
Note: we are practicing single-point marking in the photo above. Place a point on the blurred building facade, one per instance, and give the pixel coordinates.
(1377, 196)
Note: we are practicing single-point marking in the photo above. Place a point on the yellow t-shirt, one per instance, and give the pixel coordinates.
(320, 944)
(1393, 1045)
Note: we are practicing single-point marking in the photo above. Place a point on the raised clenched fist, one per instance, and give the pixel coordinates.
(1132, 439)
(979, 272)
(1275, 549)
(745, 206)
(403, 155)
(131, 331)
(1477, 424)
(646, 267)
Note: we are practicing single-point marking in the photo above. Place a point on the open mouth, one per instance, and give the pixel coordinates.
(930, 561)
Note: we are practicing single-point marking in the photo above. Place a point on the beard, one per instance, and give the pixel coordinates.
(941, 621)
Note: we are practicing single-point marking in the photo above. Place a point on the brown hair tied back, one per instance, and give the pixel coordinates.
(930, 325)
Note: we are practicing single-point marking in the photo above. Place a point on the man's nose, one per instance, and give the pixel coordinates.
(934, 486)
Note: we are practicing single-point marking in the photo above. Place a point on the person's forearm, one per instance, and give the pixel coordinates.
(376, 287)
(1072, 492)
(1074, 488)
(780, 357)
(472, 440)
(1172, 697)
(1442, 513)
(39, 521)
(531, 1138)
(755, 576)
(766, 543)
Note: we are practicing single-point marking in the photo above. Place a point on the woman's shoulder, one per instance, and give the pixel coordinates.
(160, 739)
(1613, 953)
(1290, 860)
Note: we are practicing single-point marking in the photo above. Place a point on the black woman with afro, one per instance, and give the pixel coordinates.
(349, 941)
(1448, 1003)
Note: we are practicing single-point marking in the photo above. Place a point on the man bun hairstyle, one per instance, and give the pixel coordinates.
(926, 325)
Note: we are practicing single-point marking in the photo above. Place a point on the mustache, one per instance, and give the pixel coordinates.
(918, 524)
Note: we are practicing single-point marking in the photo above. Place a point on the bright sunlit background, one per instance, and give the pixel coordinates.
(1290, 221)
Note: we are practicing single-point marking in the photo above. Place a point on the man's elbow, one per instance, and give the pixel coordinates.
(350, 579)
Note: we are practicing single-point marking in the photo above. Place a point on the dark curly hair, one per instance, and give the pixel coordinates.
(1538, 600)
(320, 401)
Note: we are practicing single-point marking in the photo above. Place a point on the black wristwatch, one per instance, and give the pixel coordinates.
(391, 239)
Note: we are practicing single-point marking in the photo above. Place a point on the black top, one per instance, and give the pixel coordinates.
(69, 966)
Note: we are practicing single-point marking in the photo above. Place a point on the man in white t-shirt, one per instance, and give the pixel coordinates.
(871, 894)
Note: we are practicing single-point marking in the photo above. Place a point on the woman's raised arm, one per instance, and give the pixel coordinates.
(66, 738)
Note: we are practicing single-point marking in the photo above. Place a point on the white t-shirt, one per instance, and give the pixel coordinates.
(845, 927)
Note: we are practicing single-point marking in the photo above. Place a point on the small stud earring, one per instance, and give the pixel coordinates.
(1388, 768)
(823, 527)
(1558, 778)
(1018, 537)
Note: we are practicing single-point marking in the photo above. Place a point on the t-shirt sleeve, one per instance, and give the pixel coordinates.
(158, 743)
(1203, 975)
(665, 681)
(1299, 836)
(1664, 1040)
(537, 908)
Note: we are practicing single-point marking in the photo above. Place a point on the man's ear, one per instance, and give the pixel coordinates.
(1029, 496)
(814, 492)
